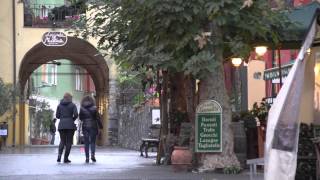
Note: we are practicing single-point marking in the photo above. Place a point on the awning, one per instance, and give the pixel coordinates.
(274, 73)
(292, 37)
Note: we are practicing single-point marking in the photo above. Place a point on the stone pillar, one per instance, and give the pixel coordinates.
(113, 125)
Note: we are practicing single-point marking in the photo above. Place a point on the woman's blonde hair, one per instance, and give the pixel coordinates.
(67, 96)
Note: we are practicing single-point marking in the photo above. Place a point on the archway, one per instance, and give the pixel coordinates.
(80, 53)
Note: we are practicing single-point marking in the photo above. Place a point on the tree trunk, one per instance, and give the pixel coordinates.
(177, 102)
(163, 116)
(190, 88)
(212, 86)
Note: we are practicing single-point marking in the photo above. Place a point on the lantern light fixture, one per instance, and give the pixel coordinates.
(261, 50)
(236, 61)
(309, 51)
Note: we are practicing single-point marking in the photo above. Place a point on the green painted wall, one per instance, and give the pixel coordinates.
(49, 2)
(66, 81)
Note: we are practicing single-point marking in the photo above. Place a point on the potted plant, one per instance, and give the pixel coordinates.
(181, 157)
(43, 116)
(250, 126)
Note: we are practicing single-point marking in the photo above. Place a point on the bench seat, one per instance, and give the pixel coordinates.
(147, 143)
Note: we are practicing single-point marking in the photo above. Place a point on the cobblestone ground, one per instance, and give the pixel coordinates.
(112, 163)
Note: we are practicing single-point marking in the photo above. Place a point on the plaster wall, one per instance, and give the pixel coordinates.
(307, 99)
(256, 86)
(6, 41)
(317, 86)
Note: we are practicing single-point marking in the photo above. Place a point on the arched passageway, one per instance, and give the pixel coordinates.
(80, 53)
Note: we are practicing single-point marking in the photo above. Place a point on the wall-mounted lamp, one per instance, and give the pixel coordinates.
(309, 51)
(261, 50)
(236, 61)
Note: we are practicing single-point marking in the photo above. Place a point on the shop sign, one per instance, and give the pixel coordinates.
(54, 39)
(4, 129)
(274, 73)
(208, 127)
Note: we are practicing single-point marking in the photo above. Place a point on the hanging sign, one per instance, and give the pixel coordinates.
(54, 39)
(208, 127)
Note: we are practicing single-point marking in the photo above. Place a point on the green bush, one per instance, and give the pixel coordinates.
(231, 170)
(6, 97)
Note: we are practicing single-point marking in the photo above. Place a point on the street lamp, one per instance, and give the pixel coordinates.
(236, 61)
(261, 50)
(308, 51)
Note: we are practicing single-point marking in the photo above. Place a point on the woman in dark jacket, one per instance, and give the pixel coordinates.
(67, 113)
(90, 123)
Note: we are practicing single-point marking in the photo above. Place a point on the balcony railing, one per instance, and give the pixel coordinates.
(48, 16)
(270, 100)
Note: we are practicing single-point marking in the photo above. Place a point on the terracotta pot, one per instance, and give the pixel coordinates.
(35, 141)
(44, 142)
(181, 158)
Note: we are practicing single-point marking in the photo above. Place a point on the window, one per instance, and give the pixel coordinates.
(79, 82)
(43, 12)
(53, 74)
(44, 73)
(53, 13)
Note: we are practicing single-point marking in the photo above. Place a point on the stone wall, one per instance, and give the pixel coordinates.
(134, 124)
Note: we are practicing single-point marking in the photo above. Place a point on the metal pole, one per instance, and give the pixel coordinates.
(279, 62)
(238, 89)
(14, 72)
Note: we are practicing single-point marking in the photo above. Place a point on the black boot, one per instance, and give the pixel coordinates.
(66, 160)
(87, 160)
(59, 158)
(93, 158)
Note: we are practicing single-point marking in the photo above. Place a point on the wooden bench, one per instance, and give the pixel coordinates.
(253, 166)
(146, 144)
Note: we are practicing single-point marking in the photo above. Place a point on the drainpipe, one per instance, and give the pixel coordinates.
(14, 69)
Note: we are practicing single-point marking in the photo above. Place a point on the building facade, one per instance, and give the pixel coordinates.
(24, 24)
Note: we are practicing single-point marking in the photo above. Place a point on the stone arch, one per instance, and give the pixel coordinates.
(79, 52)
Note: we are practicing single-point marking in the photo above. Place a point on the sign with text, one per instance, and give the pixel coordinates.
(209, 127)
(54, 39)
(4, 129)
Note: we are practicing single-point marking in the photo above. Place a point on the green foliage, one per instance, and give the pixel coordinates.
(232, 170)
(6, 97)
(249, 117)
(200, 64)
(306, 163)
(128, 78)
(138, 98)
(163, 33)
(132, 82)
(43, 118)
(261, 111)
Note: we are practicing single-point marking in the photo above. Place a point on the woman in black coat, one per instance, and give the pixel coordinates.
(67, 113)
(91, 123)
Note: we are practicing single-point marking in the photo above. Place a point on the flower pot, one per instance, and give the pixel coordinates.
(35, 141)
(181, 158)
(44, 142)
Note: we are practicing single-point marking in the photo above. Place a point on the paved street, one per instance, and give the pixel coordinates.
(112, 163)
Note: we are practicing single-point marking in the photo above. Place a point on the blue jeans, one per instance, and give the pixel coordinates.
(90, 135)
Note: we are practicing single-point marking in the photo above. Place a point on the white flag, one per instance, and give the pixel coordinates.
(283, 120)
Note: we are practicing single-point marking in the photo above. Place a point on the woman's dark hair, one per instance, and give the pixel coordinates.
(88, 99)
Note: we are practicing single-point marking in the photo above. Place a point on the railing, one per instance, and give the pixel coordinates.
(50, 15)
(270, 100)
